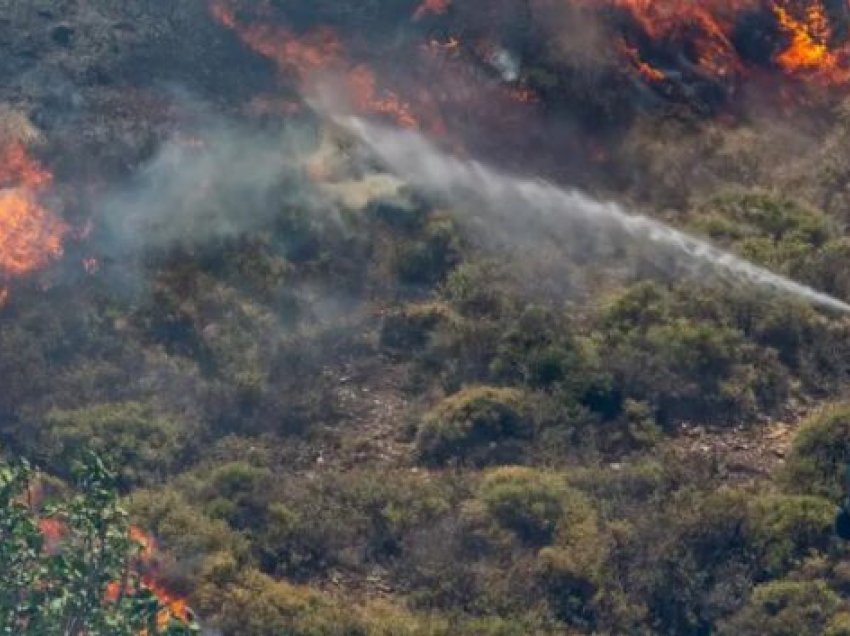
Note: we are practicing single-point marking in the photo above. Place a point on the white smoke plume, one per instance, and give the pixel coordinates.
(535, 210)
(222, 182)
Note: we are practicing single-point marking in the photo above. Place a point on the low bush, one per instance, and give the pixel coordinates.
(477, 426)
(531, 503)
(820, 454)
(785, 608)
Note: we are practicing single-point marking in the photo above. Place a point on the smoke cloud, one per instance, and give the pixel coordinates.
(222, 181)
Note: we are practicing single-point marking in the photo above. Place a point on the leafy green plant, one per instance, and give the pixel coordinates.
(820, 454)
(64, 589)
(480, 425)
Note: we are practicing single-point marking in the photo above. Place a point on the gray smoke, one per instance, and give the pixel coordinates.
(529, 209)
(226, 181)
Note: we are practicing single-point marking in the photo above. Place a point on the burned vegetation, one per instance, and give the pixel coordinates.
(488, 317)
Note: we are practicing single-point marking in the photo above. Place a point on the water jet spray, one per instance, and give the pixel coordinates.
(534, 205)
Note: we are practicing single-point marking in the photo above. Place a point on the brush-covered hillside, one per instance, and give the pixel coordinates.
(401, 318)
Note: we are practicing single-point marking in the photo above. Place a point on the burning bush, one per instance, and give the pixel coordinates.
(75, 570)
(30, 235)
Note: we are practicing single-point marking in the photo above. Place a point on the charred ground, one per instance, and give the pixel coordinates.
(340, 411)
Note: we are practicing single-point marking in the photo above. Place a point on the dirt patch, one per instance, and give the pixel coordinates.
(739, 454)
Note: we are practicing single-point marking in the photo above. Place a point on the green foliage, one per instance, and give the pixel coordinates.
(61, 590)
(785, 608)
(783, 529)
(538, 350)
(480, 425)
(531, 503)
(839, 625)
(427, 261)
(827, 268)
(820, 454)
(255, 605)
(772, 230)
(687, 368)
(145, 444)
(411, 328)
(573, 571)
(475, 288)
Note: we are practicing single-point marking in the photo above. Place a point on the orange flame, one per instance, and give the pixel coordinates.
(362, 86)
(174, 607)
(809, 52)
(30, 235)
(53, 531)
(703, 33)
(147, 545)
(320, 50)
(431, 7)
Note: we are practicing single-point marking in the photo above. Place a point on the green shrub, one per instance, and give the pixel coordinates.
(531, 503)
(785, 608)
(253, 604)
(144, 443)
(839, 625)
(688, 562)
(478, 426)
(539, 349)
(476, 289)
(820, 454)
(429, 260)
(238, 492)
(783, 529)
(696, 371)
(827, 268)
(772, 230)
(573, 570)
(350, 520)
(186, 535)
(411, 328)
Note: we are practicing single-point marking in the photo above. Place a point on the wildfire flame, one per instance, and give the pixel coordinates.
(304, 56)
(30, 235)
(803, 43)
(145, 564)
(809, 50)
(174, 606)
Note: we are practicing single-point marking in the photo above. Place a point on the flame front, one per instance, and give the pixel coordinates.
(174, 607)
(30, 235)
(308, 55)
(809, 52)
(802, 43)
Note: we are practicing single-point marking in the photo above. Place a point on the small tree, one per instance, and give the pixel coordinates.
(85, 584)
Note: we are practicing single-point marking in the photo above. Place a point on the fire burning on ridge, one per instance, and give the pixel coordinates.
(687, 51)
(304, 56)
(174, 607)
(30, 235)
(726, 39)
